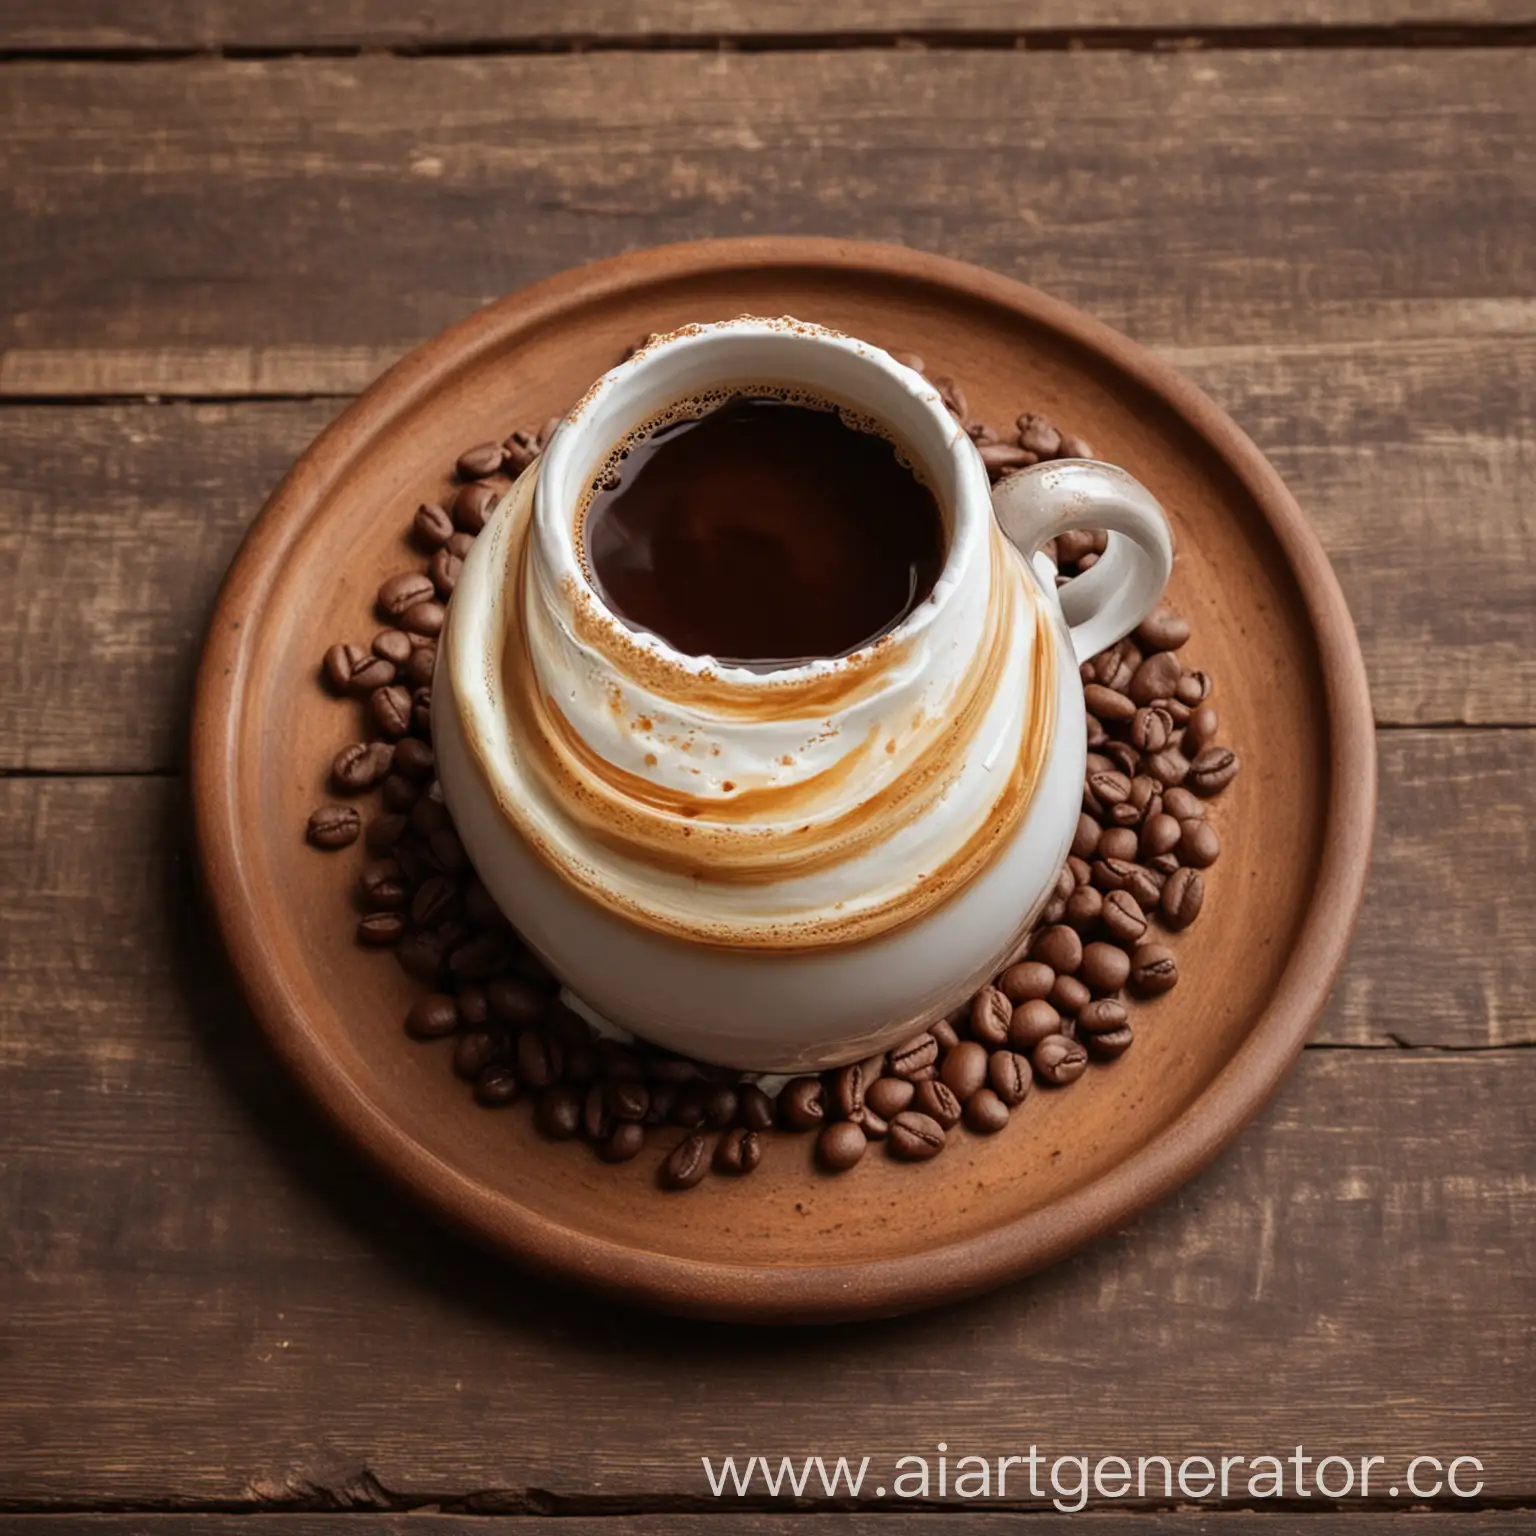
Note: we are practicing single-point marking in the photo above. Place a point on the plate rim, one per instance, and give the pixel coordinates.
(755, 1292)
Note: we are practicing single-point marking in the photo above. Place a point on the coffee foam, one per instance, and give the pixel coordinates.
(826, 808)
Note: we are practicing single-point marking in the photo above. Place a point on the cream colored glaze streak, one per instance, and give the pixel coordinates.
(686, 864)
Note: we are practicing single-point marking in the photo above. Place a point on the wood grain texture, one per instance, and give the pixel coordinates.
(976, 1523)
(210, 1302)
(114, 24)
(1376, 442)
(364, 203)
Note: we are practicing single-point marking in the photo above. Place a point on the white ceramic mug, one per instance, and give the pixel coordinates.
(781, 870)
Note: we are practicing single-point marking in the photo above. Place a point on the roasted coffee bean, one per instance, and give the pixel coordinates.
(1182, 898)
(990, 1012)
(383, 833)
(429, 814)
(1059, 1061)
(888, 1096)
(558, 1113)
(964, 1069)
(847, 1089)
(435, 901)
(432, 525)
(944, 1032)
(1053, 911)
(801, 1104)
(1105, 967)
(1032, 1021)
(378, 929)
(400, 794)
(340, 663)
(953, 397)
(1144, 886)
(1107, 705)
(1008, 1074)
(1193, 688)
(547, 430)
(1079, 868)
(1123, 920)
(985, 1112)
(391, 709)
(393, 645)
(1123, 758)
(519, 451)
(1200, 731)
(936, 1101)
(1058, 947)
(474, 504)
(1001, 456)
(415, 760)
(1110, 1044)
(1160, 835)
(539, 1058)
(1213, 770)
(473, 1052)
(432, 1016)
(754, 1109)
(404, 591)
(1068, 995)
(688, 1107)
(840, 1146)
(496, 1085)
(424, 619)
(1163, 864)
(1084, 909)
(1146, 795)
(421, 957)
(1101, 1016)
(719, 1105)
(418, 671)
(1073, 545)
(910, 1059)
(915, 1137)
(481, 958)
(1086, 839)
(1119, 843)
(1156, 678)
(370, 673)
(1039, 435)
(445, 570)
(1183, 806)
(1074, 448)
(446, 851)
(628, 1099)
(1163, 630)
(421, 713)
(333, 826)
(1151, 728)
(1169, 767)
(480, 906)
(474, 1010)
(381, 886)
(1199, 845)
(665, 1068)
(687, 1163)
(478, 462)
(1109, 789)
(1097, 735)
(361, 765)
(874, 1126)
(980, 433)
(460, 545)
(1178, 711)
(1153, 969)
(581, 1067)
(1026, 979)
(1114, 668)
(738, 1151)
(625, 1141)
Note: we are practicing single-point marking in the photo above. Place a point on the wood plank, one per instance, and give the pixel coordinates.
(976, 1523)
(117, 522)
(111, 24)
(208, 1301)
(363, 203)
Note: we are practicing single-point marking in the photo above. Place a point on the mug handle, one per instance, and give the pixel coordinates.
(1124, 585)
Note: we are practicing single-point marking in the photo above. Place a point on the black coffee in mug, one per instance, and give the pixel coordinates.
(761, 529)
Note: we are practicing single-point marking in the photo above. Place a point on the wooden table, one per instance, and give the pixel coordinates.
(220, 221)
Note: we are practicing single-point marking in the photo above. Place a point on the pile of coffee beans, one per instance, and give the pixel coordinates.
(1065, 999)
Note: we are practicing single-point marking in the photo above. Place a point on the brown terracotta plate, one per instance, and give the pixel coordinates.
(788, 1243)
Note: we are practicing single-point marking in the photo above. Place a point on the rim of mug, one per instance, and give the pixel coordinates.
(966, 525)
